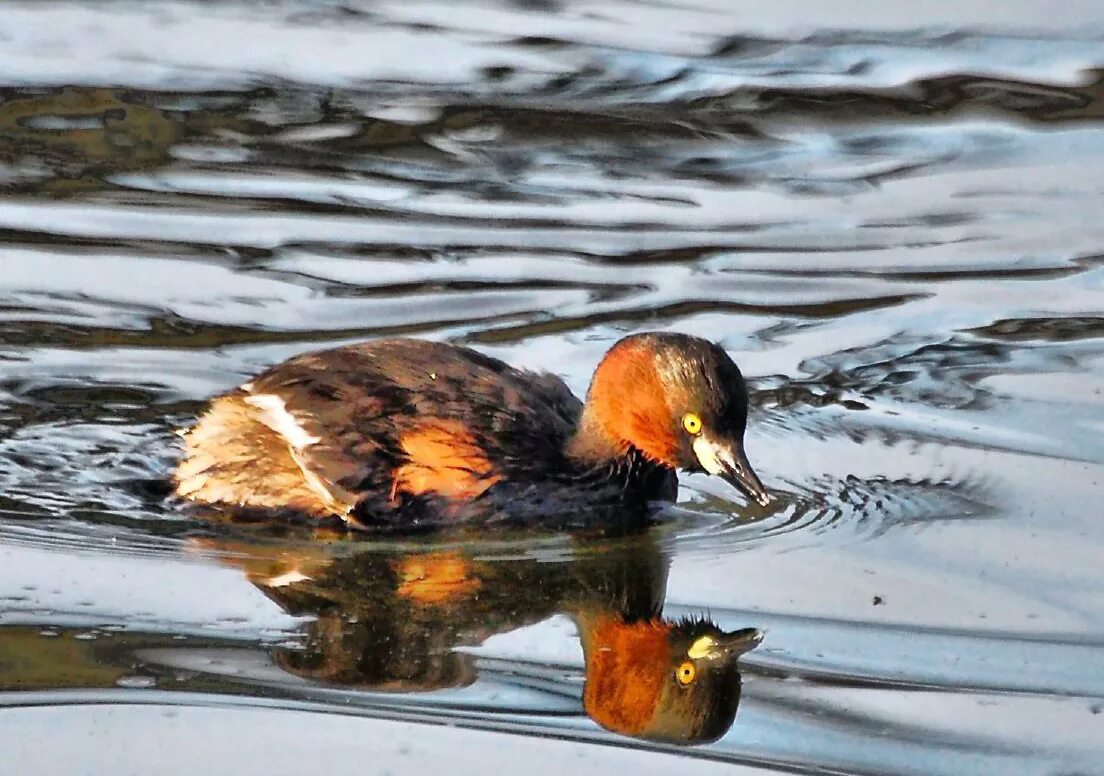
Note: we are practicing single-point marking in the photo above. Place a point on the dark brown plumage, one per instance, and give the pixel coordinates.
(407, 433)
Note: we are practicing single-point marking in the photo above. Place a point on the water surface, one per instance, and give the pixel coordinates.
(891, 219)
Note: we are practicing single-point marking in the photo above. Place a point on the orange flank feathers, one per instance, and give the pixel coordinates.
(444, 460)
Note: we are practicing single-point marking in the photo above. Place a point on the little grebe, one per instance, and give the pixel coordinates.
(391, 619)
(407, 433)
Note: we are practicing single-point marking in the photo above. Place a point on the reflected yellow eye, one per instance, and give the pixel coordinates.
(686, 673)
(692, 423)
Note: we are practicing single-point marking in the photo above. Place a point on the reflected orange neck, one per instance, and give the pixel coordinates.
(625, 669)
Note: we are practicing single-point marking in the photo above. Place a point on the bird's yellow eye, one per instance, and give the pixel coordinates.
(686, 673)
(692, 423)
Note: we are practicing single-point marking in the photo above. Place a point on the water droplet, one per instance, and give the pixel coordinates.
(135, 682)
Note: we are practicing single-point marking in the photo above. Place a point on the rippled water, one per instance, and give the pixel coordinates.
(891, 218)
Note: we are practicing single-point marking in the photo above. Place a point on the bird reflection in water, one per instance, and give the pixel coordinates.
(390, 621)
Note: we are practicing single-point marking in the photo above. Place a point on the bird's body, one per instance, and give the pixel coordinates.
(408, 433)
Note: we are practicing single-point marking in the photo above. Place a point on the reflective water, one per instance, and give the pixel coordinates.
(889, 216)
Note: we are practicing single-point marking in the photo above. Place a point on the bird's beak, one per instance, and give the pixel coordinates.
(726, 646)
(727, 460)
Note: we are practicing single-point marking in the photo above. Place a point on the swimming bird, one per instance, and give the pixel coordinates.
(405, 434)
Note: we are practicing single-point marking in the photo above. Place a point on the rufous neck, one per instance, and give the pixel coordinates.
(626, 408)
(590, 445)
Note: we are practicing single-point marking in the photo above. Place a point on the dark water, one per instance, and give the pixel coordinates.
(892, 218)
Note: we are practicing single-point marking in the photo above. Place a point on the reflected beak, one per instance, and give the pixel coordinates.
(728, 461)
(725, 646)
(741, 641)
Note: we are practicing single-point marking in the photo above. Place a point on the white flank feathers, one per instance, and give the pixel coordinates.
(283, 580)
(277, 418)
